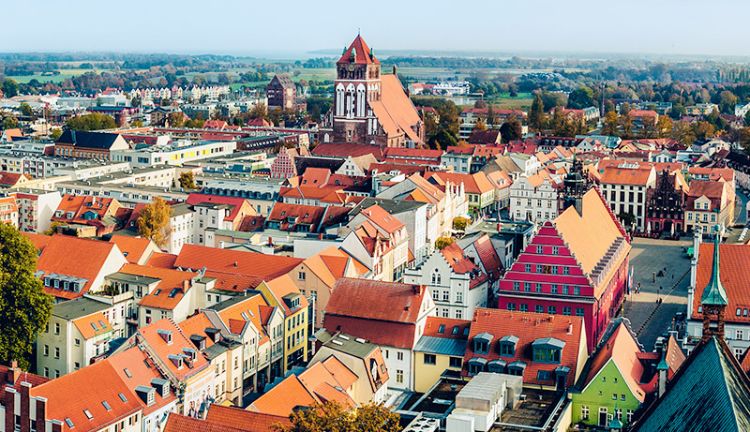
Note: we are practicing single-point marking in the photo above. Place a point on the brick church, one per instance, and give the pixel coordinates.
(369, 107)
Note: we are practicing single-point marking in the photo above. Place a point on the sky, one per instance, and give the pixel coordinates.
(289, 28)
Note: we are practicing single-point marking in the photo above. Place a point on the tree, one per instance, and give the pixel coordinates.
(703, 130)
(442, 242)
(176, 119)
(460, 223)
(491, 119)
(333, 417)
(26, 109)
(136, 101)
(9, 122)
(24, 306)
(649, 127)
(9, 88)
(683, 132)
(153, 223)
(580, 98)
(187, 180)
(611, 124)
(480, 125)
(93, 121)
(626, 123)
(536, 116)
(664, 126)
(55, 134)
(511, 130)
(259, 111)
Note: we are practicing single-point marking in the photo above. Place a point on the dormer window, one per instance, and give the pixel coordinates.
(166, 335)
(547, 350)
(482, 343)
(497, 366)
(476, 365)
(506, 346)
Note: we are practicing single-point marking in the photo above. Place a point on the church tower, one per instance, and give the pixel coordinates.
(714, 299)
(357, 84)
(575, 185)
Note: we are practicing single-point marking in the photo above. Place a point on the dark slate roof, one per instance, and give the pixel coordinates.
(709, 393)
(442, 346)
(389, 205)
(283, 80)
(301, 163)
(84, 139)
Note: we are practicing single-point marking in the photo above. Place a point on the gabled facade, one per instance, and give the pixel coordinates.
(440, 349)
(282, 292)
(457, 285)
(576, 265)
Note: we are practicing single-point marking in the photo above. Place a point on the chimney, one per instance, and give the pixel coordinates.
(579, 205)
(13, 373)
(662, 369)
(570, 328)
(394, 70)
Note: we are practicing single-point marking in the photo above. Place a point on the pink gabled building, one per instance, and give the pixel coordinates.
(577, 264)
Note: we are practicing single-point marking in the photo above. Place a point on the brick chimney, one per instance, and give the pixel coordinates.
(14, 372)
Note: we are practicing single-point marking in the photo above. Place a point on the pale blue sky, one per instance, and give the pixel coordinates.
(716, 27)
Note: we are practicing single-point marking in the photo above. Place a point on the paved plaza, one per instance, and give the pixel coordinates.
(649, 257)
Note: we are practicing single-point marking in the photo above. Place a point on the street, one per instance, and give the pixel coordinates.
(649, 257)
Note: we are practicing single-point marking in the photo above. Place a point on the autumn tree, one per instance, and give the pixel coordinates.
(664, 126)
(24, 306)
(442, 242)
(626, 124)
(611, 124)
(153, 222)
(187, 180)
(176, 119)
(89, 122)
(536, 116)
(649, 127)
(333, 417)
(480, 125)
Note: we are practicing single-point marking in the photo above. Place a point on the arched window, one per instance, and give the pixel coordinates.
(349, 101)
(361, 100)
(339, 100)
(436, 279)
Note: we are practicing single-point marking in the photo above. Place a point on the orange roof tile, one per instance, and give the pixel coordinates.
(734, 263)
(132, 247)
(135, 369)
(93, 325)
(358, 52)
(235, 261)
(247, 421)
(171, 289)
(102, 383)
(282, 286)
(626, 174)
(180, 423)
(163, 260)
(152, 335)
(528, 327)
(381, 218)
(284, 397)
(39, 241)
(247, 310)
(73, 256)
(449, 328)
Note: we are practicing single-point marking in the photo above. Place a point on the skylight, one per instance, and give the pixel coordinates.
(106, 406)
(122, 397)
(88, 414)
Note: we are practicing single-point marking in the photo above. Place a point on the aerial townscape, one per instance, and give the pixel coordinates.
(362, 240)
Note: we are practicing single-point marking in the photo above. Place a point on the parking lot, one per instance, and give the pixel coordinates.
(662, 270)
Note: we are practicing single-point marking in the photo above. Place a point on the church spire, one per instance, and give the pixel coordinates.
(714, 294)
(714, 298)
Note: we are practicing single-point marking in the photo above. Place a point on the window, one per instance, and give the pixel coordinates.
(546, 355)
(400, 356)
(524, 307)
(566, 270)
(399, 376)
(527, 286)
(551, 310)
(527, 268)
(566, 310)
(584, 412)
(57, 352)
(579, 311)
(539, 249)
(539, 309)
(459, 297)
(538, 287)
(738, 335)
(455, 362)
(629, 414)
(446, 296)
(57, 328)
(517, 287)
(543, 375)
(555, 250)
(430, 359)
(511, 306)
(614, 396)
(553, 289)
(78, 342)
(459, 314)
(301, 276)
(538, 268)
(46, 350)
(46, 372)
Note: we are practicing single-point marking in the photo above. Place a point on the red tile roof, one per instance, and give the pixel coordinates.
(734, 262)
(528, 327)
(460, 264)
(488, 256)
(451, 328)
(235, 261)
(347, 149)
(626, 173)
(135, 369)
(163, 260)
(362, 52)
(383, 312)
(247, 421)
(180, 423)
(235, 204)
(382, 219)
(171, 289)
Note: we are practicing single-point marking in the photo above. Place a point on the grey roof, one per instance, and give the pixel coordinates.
(181, 209)
(518, 364)
(347, 344)
(442, 346)
(479, 360)
(486, 336)
(509, 338)
(77, 308)
(710, 392)
(389, 205)
(550, 341)
(131, 278)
